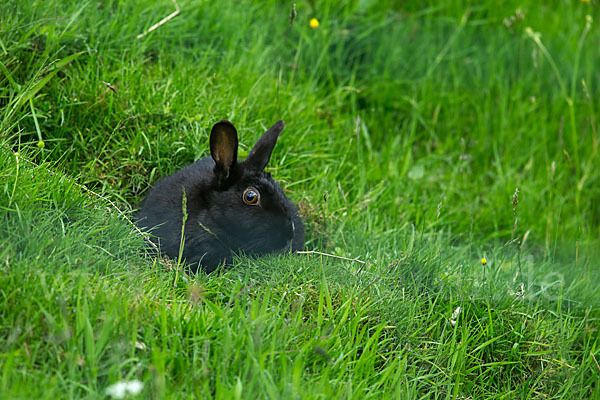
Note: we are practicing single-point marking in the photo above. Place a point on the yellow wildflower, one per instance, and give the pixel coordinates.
(314, 23)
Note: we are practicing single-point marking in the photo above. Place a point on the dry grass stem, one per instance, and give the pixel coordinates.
(161, 22)
(331, 255)
(595, 361)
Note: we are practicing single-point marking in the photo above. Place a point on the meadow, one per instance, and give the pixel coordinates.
(443, 154)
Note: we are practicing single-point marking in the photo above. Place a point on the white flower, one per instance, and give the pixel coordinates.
(121, 389)
(140, 345)
(454, 316)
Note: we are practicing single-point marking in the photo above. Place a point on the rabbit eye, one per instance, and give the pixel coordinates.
(251, 196)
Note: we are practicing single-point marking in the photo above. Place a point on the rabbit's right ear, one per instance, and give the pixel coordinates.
(261, 152)
(223, 148)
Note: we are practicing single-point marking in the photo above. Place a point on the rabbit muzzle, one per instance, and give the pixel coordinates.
(289, 243)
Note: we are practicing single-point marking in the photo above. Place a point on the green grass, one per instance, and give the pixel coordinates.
(409, 128)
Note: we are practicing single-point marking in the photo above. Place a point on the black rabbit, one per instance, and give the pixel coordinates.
(232, 207)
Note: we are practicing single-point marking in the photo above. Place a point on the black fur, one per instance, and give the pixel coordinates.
(219, 222)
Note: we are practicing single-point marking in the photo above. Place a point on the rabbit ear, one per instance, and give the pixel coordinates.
(223, 148)
(261, 152)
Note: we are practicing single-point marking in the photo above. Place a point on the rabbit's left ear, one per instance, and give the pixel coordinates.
(223, 148)
(261, 152)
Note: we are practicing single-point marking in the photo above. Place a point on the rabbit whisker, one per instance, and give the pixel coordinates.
(208, 230)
